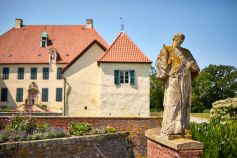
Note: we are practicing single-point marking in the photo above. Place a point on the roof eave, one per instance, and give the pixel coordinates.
(126, 62)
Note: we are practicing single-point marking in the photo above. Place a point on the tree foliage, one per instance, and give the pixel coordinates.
(156, 91)
(215, 82)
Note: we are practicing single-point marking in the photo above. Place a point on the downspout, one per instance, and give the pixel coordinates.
(64, 102)
(66, 94)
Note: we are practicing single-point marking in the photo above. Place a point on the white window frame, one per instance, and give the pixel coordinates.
(124, 74)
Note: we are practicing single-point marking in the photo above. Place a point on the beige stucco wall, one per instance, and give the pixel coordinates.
(124, 100)
(13, 83)
(82, 88)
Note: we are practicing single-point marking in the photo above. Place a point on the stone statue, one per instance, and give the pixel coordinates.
(177, 68)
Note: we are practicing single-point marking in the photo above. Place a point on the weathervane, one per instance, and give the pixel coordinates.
(122, 25)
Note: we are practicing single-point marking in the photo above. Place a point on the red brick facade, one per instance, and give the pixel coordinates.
(157, 150)
(135, 126)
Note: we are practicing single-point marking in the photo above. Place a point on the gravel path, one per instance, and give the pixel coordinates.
(198, 119)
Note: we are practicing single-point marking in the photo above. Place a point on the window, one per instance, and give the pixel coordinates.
(4, 94)
(19, 94)
(59, 94)
(45, 93)
(124, 77)
(20, 73)
(5, 74)
(59, 73)
(45, 73)
(33, 73)
(44, 39)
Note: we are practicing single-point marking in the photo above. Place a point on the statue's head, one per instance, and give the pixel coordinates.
(178, 39)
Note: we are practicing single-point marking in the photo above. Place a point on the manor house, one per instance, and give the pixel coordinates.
(72, 70)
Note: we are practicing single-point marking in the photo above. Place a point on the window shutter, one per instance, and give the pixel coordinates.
(132, 77)
(116, 77)
(58, 94)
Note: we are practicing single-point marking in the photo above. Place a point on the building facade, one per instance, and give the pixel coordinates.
(72, 70)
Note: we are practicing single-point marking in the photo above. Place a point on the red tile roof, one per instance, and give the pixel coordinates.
(124, 50)
(22, 45)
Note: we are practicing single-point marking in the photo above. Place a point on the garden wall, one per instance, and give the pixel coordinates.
(136, 126)
(100, 146)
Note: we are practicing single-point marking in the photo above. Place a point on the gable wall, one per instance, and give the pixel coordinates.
(82, 88)
(124, 100)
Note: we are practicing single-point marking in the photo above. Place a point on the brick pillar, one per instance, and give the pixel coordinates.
(159, 147)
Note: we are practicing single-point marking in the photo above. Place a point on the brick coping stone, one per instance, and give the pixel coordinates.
(177, 144)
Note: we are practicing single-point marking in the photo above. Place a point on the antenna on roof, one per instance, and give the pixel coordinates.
(122, 25)
(44, 28)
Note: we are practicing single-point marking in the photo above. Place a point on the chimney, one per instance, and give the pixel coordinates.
(89, 23)
(19, 23)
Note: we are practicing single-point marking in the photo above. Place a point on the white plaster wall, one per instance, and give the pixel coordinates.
(124, 100)
(13, 83)
(82, 88)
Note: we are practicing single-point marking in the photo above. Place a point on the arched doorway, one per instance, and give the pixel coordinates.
(33, 94)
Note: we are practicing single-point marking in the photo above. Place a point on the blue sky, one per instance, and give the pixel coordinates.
(210, 26)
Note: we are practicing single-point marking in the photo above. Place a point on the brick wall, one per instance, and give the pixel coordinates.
(157, 150)
(135, 126)
(100, 146)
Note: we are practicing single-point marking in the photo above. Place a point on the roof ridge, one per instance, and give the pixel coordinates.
(24, 43)
(55, 25)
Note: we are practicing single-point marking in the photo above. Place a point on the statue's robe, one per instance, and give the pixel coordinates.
(173, 66)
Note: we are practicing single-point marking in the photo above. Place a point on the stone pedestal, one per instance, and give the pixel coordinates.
(162, 147)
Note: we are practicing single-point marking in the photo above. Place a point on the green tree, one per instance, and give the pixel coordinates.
(215, 82)
(156, 91)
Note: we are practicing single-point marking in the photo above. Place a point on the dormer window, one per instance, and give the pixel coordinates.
(44, 39)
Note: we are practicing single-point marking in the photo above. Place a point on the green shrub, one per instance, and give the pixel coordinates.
(109, 129)
(42, 127)
(206, 111)
(56, 133)
(16, 135)
(37, 136)
(6, 109)
(220, 139)
(225, 109)
(76, 128)
(3, 138)
(21, 123)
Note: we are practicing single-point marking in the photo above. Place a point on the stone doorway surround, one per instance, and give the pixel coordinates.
(33, 92)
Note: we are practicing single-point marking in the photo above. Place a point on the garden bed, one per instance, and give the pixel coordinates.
(23, 127)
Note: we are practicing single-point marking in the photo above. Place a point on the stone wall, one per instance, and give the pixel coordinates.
(95, 146)
(136, 126)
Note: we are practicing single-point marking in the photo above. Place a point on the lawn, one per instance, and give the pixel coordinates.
(201, 115)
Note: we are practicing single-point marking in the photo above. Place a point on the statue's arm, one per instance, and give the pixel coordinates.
(193, 67)
(161, 64)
